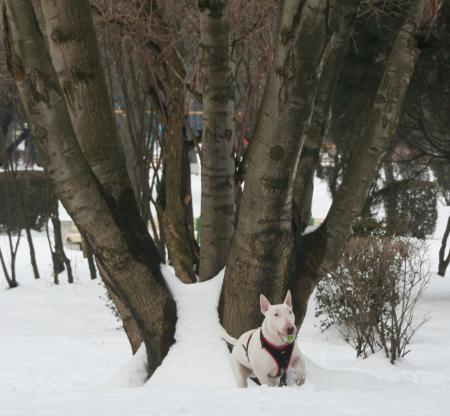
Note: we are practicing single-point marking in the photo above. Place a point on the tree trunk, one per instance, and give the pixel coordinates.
(444, 261)
(262, 249)
(133, 127)
(11, 283)
(89, 254)
(13, 248)
(320, 251)
(177, 210)
(59, 244)
(34, 265)
(120, 241)
(217, 137)
(342, 29)
(390, 201)
(75, 56)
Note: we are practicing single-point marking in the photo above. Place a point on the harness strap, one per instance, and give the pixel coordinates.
(254, 379)
(281, 356)
(246, 346)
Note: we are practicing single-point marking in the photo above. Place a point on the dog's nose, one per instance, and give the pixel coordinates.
(290, 330)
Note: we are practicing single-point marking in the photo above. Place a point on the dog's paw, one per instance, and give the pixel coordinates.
(299, 379)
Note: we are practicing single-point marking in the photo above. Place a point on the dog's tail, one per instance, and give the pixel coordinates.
(226, 336)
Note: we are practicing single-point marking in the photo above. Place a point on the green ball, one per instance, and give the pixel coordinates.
(290, 339)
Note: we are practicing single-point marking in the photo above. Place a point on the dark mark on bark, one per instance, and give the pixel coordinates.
(276, 152)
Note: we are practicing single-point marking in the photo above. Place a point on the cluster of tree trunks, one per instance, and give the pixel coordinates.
(64, 94)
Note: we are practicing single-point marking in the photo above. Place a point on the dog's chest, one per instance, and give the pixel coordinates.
(269, 364)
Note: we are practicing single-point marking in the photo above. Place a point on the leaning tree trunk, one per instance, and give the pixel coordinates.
(217, 220)
(444, 260)
(121, 242)
(76, 57)
(320, 251)
(34, 265)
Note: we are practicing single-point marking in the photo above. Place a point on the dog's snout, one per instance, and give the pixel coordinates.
(290, 330)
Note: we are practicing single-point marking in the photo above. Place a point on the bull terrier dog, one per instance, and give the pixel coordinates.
(269, 354)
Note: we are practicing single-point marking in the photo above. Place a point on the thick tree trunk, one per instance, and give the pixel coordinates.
(321, 250)
(76, 57)
(121, 243)
(217, 137)
(262, 248)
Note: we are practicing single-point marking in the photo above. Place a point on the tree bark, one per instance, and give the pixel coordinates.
(320, 251)
(123, 248)
(217, 137)
(75, 56)
(262, 249)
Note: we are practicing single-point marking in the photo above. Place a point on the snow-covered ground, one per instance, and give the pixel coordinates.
(63, 353)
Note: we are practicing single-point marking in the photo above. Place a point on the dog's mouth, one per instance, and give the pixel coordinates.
(287, 338)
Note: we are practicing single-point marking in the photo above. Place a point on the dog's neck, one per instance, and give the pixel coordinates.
(270, 336)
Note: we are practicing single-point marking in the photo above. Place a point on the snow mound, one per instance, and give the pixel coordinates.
(200, 359)
(199, 356)
(132, 374)
(323, 379)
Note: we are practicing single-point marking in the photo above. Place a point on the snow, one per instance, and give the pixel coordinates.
(63, 352)
(196, 336)
(321, 202)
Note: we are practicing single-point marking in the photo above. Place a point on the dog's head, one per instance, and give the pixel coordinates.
(279, 319)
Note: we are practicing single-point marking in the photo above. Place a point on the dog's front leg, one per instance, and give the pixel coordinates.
(240, 373)
(297, 370)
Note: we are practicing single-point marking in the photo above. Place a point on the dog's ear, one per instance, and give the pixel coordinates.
(288, 299)
(264, 304)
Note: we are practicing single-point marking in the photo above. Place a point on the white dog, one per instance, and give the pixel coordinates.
(269, 351)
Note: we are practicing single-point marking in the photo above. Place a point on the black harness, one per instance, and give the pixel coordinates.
(281, 355)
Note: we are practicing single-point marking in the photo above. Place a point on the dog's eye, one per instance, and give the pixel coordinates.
(290, 312)
(276, 314)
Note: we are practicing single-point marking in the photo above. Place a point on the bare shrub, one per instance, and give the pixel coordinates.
(372, 294)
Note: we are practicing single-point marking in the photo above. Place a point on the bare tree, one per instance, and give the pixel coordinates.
(71, 118)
